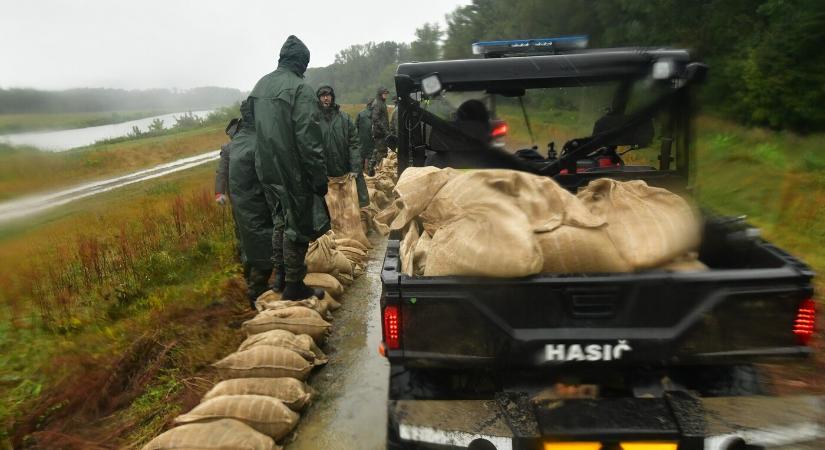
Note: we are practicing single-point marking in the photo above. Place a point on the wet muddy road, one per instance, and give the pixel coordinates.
(349, 411)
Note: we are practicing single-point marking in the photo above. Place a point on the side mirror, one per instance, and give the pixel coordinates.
(431, 85)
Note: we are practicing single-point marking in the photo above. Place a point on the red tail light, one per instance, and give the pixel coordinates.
(803, 326)
(499, 130)
(392, 327)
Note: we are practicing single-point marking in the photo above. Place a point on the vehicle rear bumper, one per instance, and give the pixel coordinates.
(511, 423)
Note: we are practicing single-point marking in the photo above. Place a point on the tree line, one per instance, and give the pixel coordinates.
(767, 67)
(17, 101)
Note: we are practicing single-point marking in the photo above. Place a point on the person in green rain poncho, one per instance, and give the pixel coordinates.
(253, 220)
(342, 150)
(290, 164)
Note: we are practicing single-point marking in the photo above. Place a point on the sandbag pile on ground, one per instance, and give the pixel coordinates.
(504, 223)
(380, 189)
(345, 264)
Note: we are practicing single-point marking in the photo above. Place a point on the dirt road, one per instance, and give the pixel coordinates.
(349, 411)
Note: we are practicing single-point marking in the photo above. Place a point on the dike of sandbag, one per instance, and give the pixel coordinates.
(505, 223)
(262, 389)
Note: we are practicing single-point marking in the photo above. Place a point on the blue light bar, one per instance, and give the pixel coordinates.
(531, 46)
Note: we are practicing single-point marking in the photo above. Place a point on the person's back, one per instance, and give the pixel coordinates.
(290, 165)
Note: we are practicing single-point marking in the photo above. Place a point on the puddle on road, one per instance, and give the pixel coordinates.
(350, 407)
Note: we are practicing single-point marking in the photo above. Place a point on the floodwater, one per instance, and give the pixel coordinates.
(62, 140)
(349, 410)
(30, 205)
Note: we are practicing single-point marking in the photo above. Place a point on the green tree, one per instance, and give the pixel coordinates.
(427, 45)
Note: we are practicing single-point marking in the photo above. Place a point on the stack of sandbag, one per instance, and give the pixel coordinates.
(324, 257)
(504, 223)
(380, 189)
(344, 211)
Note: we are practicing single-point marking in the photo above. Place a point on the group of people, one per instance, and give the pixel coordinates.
(275, 169)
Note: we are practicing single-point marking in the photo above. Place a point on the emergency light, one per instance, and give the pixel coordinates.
(544, 46)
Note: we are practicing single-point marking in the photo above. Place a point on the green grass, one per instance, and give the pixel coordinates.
(19, 123)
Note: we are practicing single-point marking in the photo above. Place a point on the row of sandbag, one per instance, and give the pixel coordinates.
(380, 189)
(505, 223)
(262, 392)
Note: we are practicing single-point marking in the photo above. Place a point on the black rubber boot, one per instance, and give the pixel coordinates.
(299, 291)
(279, 283)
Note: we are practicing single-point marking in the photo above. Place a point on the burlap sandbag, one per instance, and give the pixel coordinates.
(296, 319)
(320, 256)
(326, 282)
(350, 243)
(344, 211)
(415, 190)
(649, 226)
(570, 249)
(264, 361)
(215, 435)
(342, 264)
(302, 344)
(265, 414)
(407, 249)
(344, 278)
(295, 394)
(331, 303)
(265, 302)
(420, 253)
(489, 241)
(355, 255)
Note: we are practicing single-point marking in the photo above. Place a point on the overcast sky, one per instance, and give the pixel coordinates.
(54, 44)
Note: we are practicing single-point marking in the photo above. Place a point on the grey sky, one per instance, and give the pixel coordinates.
(53, 44)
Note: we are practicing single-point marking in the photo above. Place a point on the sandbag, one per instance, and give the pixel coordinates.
(265, 303)
(295, 394)
(344, 210)
(420, 253)
(267, 415)
(344, 278)
(297, 319)
(330, 302)
(415, 190)
(264, 361)
(649, 226)
(407, 249)
(215, 435)
(685, 263)
(326, 282)
(342, 264)
(490, 241)
(302, 344)
(351, 243)
(569, 249)
(320, 255)
(355, 255)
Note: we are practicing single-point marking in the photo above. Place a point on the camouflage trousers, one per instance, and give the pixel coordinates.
(379, 153)
(257, 282)
(287, 255)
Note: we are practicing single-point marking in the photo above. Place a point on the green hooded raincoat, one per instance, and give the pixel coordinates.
(290, 154)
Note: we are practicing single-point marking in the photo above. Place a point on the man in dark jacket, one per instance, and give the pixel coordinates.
(380, 127)
(222, 174)
(290, 164)
(341, 149)
(364, 124)
(253, 220)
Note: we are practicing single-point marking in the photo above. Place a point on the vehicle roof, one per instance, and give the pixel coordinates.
(526, 72)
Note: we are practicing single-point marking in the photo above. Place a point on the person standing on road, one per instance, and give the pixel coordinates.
(290, 164)
(341, 148)
(364, 124)
(380, 127)
(253, 219)
(222, 174)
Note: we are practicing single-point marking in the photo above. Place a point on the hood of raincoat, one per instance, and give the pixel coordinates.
(247, 119)
(294, 56)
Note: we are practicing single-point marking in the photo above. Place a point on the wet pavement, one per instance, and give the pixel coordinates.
(349, 410)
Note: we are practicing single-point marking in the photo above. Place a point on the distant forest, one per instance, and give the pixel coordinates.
(766, 57)
(19, 101)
